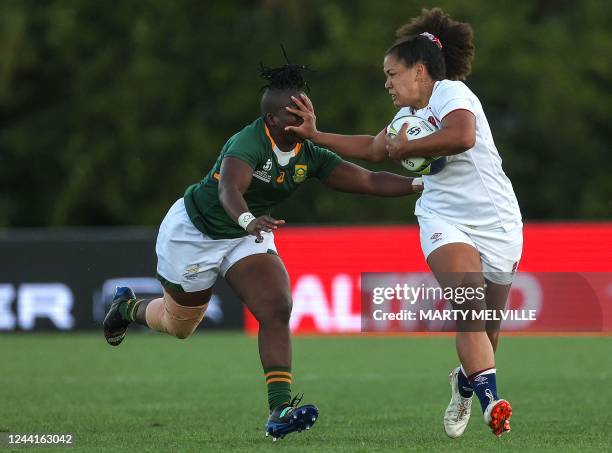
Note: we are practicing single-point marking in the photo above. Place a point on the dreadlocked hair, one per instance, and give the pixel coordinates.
(456, 39)
(287, 77)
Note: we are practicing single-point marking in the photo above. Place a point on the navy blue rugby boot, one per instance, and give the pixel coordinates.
(289, 418)
(115, 324)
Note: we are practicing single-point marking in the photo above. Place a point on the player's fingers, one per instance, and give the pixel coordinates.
(256, 231)
(299, 103)
(300, 113)
(391, 152)
(275, 221)
(275, 225)
(307, 101)
(263, 226)
(267, 218)
(272, 223)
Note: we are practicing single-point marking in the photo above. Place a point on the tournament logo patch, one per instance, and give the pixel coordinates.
(191, 272)
(300, 174)
(263, 174)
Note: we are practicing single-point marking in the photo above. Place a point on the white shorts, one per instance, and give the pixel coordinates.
(500, 250)
(189, 258)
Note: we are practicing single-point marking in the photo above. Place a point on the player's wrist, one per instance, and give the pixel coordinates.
(245, 219)
(417, 185)
(317, 136)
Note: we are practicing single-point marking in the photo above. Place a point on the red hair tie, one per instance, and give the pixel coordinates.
(433, 39)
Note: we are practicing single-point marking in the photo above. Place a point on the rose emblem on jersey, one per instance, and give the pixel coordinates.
(300, 174)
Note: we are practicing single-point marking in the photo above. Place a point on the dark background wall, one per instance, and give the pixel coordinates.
(65, 280)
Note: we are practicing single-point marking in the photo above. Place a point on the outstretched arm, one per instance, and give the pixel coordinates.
(348, 177)
(366, 147)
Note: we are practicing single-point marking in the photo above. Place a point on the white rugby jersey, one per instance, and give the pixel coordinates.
(472, 189)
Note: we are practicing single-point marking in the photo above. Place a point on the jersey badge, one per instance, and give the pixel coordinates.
(301, 171)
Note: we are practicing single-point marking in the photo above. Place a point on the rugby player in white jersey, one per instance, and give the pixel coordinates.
(223, 226)
(470, 222)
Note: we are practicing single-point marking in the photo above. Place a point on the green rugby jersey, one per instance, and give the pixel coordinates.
(276, 175)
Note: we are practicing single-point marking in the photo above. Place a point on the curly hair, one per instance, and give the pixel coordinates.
(282, 83)
(453, 61)
(287, 77)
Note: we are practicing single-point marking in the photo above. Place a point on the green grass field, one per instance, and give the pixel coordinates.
(156, 393)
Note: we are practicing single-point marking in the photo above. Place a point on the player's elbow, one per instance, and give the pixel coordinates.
(374, 182)
(375, 154)
(466, 141)
(223, 199)
(376, 158)
(225, 191)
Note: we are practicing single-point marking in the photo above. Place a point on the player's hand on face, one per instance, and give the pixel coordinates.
(397, 145)
(305, 110)
(263, 223)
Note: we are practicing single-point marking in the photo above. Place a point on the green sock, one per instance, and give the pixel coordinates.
(128, 309)
(278, 379)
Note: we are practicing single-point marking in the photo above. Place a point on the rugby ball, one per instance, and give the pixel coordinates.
(417, 128)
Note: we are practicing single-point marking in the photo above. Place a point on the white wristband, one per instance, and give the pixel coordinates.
(417, 181)
(244, 219)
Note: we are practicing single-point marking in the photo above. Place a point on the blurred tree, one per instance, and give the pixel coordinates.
(107, 112)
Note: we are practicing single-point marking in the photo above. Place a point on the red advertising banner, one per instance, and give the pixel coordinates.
(325, 265)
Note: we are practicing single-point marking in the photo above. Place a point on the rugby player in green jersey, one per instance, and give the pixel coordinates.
(222, 226)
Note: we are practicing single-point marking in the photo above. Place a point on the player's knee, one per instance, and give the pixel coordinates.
(283, 314)
(181, 321)
(493, 337)
(277, 311)
(182, 329)
(184, 332)
(279, 315)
